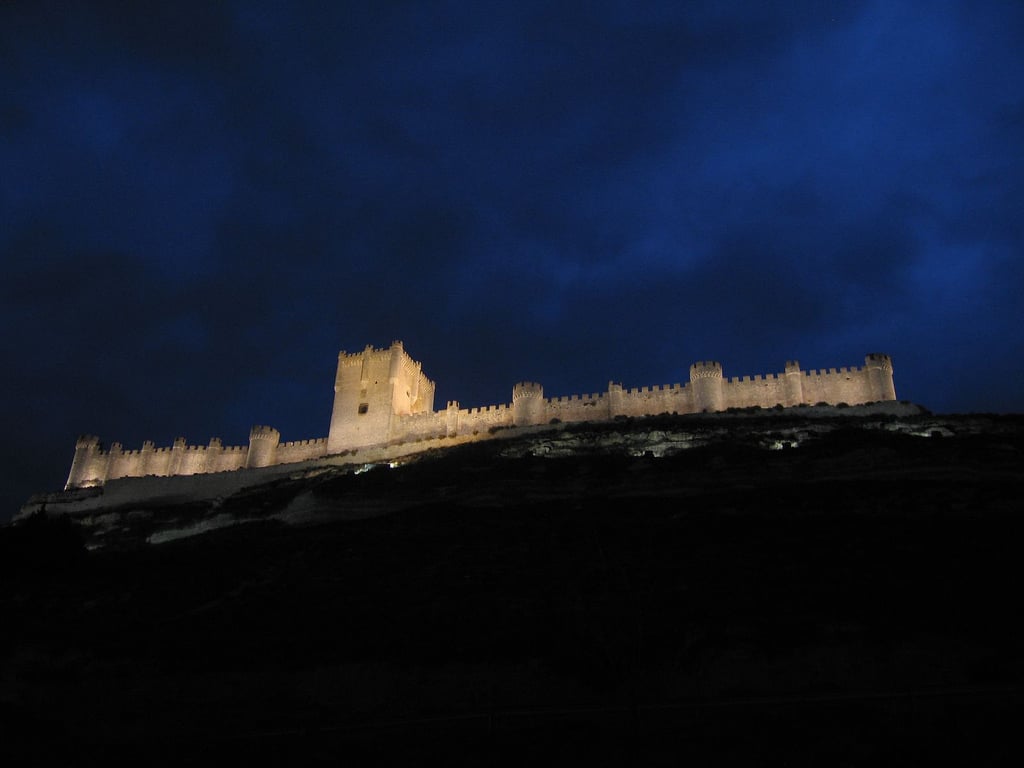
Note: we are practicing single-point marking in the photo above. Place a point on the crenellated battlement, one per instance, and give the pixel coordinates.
(305, 443)
(369, 349)
(88, 442)
(527, 389)
(879, 360)
(706, 369)
(834, 371)
(756, 377)
(383, 398)
(654, 389)
(487, 409)
(593, 397)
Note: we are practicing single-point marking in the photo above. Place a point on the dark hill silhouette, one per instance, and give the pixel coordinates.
(851, 601)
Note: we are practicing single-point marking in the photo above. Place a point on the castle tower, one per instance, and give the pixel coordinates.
(451, 418)
(794, 383)
(263, 442)
(879, 370)
(86, 466)
(372, 388)
(146, 457)
(177, 451)
(615, 400)
(708, 390)
(527, 403)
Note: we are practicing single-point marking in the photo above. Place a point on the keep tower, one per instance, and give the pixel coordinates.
(371, 389)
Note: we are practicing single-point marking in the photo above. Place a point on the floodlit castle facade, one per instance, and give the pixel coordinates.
(382, 398)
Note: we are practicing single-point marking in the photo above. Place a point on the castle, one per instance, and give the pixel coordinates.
(382, 398)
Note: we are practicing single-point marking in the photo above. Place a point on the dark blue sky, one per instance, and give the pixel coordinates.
(201, 203)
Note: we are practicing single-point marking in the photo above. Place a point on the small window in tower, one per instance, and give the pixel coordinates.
(364, 407)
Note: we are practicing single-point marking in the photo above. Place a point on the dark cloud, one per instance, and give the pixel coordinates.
(200, 203)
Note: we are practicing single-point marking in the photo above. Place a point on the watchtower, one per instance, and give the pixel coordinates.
(794, 383)
(263, 442)
(527, 403)
(706, 381)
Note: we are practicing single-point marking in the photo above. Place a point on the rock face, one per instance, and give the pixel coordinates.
(741, 588)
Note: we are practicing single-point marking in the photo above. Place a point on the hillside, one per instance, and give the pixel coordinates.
(758, 590)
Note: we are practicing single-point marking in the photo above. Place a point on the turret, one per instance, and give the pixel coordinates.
(527, 403)
(879, 368)
(615, 406)
(451, 418)
(85, 467)
(146, 457)
(707, 385)
(794, 383)
(177, 452)
(263, 442)
(395, 366)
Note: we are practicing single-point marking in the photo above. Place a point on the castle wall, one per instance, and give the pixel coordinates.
(192, 460)
(646, 401)
(121, 463)
(765, 391)
(845, 385)
(225, 458)
(853, 386)
(95, 466)
(571, 408)
(419, 426)
(482, 419)
(382, 398)
(157, 461)
(301, 450)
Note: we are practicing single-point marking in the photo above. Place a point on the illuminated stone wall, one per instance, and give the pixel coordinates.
(94, 466)
(853, 386)
(301, 450)
(382, 398)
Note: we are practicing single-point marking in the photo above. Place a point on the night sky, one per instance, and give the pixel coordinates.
(201, 203)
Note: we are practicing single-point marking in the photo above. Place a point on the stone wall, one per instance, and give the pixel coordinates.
(92, 465)
(382, 398)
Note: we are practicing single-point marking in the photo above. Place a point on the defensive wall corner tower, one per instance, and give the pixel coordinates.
(879, 368)
(87, 449)
(794, 383)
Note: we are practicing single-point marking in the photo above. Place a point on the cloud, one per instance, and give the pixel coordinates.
(200, 205)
